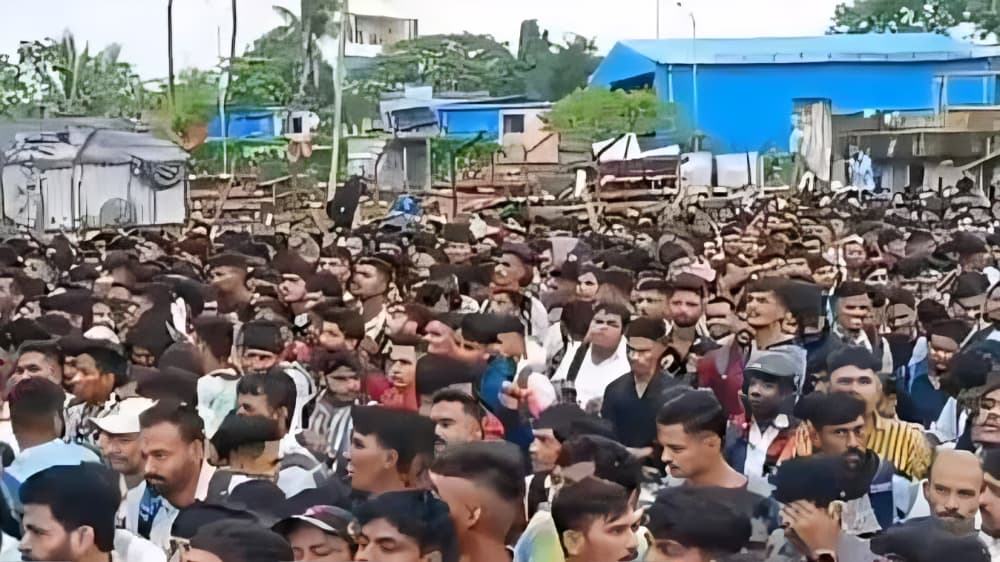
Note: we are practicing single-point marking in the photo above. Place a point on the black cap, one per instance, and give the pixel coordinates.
(928, 540)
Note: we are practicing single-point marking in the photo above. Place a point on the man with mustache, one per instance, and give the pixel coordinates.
(953, 489)
(836, 427)
(172, 439)
(119, 439)
(852, 370)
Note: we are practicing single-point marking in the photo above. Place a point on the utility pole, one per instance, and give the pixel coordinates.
(338, 102)
(170, 52)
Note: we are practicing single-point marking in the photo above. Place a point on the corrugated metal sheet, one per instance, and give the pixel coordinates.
(826, 48)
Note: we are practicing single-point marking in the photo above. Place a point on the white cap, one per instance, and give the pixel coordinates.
(126, 419)
(102, 333)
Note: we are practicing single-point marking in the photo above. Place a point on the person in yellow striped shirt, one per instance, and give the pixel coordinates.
(853, 370)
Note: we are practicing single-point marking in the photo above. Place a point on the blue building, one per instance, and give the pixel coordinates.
(746, 88)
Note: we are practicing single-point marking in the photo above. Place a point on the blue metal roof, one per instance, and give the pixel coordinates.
(870, 47)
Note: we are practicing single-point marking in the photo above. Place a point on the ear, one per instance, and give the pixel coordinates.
(475, 515)
(927, 488)
(712, 440)
(573, 542)
(282, 413)
(391, 457)
(813, 435)
(432, 557)
(82, 538)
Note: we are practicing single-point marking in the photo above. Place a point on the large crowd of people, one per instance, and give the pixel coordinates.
(809, 381)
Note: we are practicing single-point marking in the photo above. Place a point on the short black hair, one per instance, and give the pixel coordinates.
(35, 403)
(242, 541)
(325, 362)
(275, 386)
(182, 415)
(612, 460)
(418, 515)
(470, 405)
(578, 505)
(250, 433)
(217, 333)
(108, 361)
(80, 495)
(698, 518)
(496, 465)
(851, 289)
(852, 356)
(823, 410)
(614, 310)
(408, 433)
(696, 410)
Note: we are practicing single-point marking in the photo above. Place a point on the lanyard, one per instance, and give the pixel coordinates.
(148, 508)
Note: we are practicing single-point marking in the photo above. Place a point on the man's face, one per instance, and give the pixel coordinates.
(171, 464)
(644, 356)
(719, 319)
(651, 304)
(35, 364)
(732, 245)
(586, 287)
(344, 384)
(311, 544)
(257, 360)
(458, 252)
(44, 538)
(901, 319)
(607, 540)
(292, 288)
(102, 315)
(969, 308)
(228, 279)
(88, 383)
(986, 425)
(403, 366)
(854, 255)
(440, 338)
(368, 462)
(453, 425)
(122, 452)
(544, 449)
(852, 311)
(339, 267)
(763, 309)
(953, 495)
(862, 383)
(849, 440)
(509, 271)
(685, 308)
(684, 454)
(256, 405)
(381, 541)
(331, 337)
(367, 282)
(605, 330)
(825, 276)
(941, 350)
(501, 303)
(764, 396)
(989, 507)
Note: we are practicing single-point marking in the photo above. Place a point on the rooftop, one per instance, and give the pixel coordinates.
(870, 47)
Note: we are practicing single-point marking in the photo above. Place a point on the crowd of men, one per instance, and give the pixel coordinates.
(806, 382)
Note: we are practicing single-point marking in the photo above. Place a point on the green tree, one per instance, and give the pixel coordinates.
(555, 70)
(907, 16)
(597, 114)
(75, 82)
(258, 82)
(457, 63)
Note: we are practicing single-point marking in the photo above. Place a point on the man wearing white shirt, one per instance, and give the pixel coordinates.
(600, 360)
(173, 444)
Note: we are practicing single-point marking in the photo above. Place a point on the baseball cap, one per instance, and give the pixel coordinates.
(327, 518)
(773, 363)
(126, 419)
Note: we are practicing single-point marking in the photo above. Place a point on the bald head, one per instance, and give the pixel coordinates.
(953, 489)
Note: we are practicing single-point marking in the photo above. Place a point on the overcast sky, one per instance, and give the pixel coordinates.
(140, 25)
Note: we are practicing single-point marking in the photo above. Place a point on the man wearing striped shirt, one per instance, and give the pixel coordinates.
(853, 370)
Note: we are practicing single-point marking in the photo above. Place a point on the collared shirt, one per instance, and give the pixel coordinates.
(335, 424)
(759, 441)
(79, 429)
(593, 378)
(993, 544)
(163, 520)
(375, 327)
(903, 444)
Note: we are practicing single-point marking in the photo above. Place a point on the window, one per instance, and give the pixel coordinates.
(513, 124)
